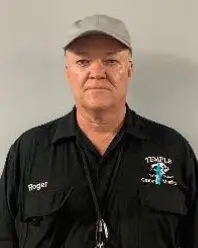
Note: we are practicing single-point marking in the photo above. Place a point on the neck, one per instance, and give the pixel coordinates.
(107, 121)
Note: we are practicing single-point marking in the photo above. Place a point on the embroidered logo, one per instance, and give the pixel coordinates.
(37, 186)
(159, 171)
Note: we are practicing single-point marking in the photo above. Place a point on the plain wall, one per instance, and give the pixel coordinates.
(32, 88)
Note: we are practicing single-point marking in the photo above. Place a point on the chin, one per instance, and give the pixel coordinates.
(98, 105)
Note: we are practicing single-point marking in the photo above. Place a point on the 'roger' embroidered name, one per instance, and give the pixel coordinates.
(37, 186)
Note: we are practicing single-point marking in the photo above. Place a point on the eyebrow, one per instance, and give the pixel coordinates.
(111, 53)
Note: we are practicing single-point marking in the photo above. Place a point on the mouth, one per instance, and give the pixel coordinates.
(98, 89)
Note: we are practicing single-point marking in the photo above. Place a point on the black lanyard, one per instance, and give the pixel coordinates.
(102, 232)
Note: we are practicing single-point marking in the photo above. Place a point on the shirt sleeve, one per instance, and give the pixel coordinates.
(189, 235)
(8, 199)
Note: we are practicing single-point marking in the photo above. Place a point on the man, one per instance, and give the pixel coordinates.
(101, 176)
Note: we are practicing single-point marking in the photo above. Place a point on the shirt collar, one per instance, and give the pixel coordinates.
(67, 127)
(134, 124)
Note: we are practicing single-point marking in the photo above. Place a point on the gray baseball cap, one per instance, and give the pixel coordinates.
(99, 24)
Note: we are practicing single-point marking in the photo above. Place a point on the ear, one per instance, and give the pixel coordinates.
(66, 72)
(66, 69)
(130, 70)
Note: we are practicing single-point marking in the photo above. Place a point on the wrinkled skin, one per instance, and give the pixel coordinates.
(98, 69)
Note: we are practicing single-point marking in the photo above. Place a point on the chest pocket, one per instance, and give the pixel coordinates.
(42, 214)
(161, 214)
(164, 198)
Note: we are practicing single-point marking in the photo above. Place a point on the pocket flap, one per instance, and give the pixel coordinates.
(44, 203)
(164, 198)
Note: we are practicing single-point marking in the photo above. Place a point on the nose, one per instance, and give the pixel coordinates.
(97, 69)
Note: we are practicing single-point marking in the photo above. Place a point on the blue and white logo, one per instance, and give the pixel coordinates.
(159, 171)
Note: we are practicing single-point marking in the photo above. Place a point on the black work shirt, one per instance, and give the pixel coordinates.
(45, 200)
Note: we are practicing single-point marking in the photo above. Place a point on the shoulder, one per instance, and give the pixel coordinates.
(160, 133)
(37, 136)
(166, 137)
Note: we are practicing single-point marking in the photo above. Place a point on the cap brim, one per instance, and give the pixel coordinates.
(89, 32)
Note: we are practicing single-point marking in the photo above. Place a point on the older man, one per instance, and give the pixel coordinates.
(101, 176)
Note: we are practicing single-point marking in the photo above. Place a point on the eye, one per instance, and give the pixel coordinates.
(83, 62)
(111, 61)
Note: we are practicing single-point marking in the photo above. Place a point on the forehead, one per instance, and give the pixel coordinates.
(96, 42)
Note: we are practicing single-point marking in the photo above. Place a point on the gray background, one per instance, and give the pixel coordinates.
(32, 87)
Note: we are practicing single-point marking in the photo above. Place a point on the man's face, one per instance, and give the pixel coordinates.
(98, 69)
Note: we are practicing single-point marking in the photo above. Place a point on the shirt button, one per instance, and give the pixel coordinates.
(36, 221)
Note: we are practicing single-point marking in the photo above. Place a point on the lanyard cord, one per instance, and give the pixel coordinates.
(101, 225)
(88, 176)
